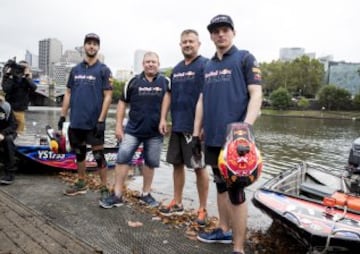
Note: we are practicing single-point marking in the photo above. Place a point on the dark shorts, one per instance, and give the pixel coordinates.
(235, 192)
(84, 137)
(212, 155)
(179, 149)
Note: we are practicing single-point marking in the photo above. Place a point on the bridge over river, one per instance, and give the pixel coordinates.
(47, 95)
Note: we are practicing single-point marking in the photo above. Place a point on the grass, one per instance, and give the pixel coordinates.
(347, 115)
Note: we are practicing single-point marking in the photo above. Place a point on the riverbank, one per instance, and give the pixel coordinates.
(324, 114)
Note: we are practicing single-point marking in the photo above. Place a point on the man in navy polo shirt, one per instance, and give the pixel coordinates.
(232, 93)
(187, 80)
(88, 96)
(144, 94)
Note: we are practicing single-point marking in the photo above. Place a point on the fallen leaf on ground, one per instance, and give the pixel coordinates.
(135, 224)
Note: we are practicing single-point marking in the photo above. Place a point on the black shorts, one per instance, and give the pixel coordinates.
(236, 193)
(179, 149)
(85, 137)
(212, 155)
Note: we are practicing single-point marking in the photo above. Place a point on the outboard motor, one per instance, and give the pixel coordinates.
(353, 167)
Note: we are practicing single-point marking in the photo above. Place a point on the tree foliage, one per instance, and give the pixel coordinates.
(280, 98)
(303, 103)
(118, 87)
(356, 101)
(334, 98)
(301, 77)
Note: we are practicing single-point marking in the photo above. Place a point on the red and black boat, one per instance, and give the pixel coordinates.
(52, 151)
(318, 205)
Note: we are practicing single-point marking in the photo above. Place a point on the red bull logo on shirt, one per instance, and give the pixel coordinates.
(224, 74)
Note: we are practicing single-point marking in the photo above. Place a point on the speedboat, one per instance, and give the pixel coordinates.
(317, 205)
(52, 151)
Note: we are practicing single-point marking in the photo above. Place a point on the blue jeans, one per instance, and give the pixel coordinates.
(152, 150)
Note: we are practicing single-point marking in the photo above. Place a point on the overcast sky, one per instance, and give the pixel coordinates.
(326, 27)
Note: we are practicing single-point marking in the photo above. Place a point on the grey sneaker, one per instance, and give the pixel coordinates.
(149, 200)
(77, 188)
(111, 201)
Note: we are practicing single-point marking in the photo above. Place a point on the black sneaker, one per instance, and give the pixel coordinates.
(149, 200)
(104, 193)
(77, 188)
(7, 179)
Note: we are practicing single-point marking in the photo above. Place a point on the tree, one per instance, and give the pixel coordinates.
(307, 76)
(356, 101)
(301, 77)
(280, 98)
(118, 87)
(303, 103)
(334, 98)
(274, 75)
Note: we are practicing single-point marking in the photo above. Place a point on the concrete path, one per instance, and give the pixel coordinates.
(35, 217)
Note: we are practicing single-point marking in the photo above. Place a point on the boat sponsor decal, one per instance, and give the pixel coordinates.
(310, 216)
(44, 156)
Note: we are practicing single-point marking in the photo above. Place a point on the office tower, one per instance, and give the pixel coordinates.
(33, 60)
(289, 54)
(50, 51)
(138, 59)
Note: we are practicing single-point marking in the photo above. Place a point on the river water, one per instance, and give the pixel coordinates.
(283, 142)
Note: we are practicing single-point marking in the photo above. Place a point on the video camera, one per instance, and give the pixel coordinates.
(15, 68)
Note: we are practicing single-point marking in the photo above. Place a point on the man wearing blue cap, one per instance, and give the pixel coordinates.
(88, 96)
(232, 93)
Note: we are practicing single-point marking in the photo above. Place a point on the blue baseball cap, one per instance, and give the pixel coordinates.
(220, 20)
(92, 37)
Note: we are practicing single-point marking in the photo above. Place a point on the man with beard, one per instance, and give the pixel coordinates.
(88, 96)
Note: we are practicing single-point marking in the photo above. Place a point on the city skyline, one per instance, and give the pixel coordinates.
(263, 27)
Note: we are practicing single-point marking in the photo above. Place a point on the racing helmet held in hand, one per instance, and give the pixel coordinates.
(239, 160)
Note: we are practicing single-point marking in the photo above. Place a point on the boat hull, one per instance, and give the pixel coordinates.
(41, 155)
(307, 218)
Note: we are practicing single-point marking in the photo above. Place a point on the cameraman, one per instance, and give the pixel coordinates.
(7, 135)
(17, 84)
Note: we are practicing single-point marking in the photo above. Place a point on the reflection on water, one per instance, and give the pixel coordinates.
(286, 141)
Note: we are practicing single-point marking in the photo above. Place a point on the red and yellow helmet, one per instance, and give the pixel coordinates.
(239, 160)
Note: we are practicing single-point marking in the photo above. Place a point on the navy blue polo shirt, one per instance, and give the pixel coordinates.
(87, 84)
(145, 99)
(225, 94)
(186, 84)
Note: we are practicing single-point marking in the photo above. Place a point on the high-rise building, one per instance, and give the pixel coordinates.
(50, 51)
(289, 54)
(123, 75)
(71, 56)
(138, 59)
(344, 75)
(61, 72)
(33, 60)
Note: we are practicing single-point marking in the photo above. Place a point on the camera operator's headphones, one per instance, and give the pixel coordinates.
(239, 160)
